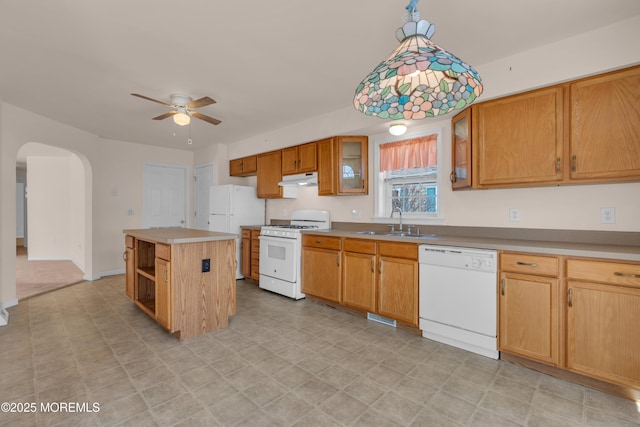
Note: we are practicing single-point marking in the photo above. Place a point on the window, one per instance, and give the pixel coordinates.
(407, 173)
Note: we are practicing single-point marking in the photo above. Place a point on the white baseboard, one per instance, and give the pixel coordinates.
(4, 317)
(8, 303)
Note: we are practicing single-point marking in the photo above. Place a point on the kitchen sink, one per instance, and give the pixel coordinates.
(397, 234)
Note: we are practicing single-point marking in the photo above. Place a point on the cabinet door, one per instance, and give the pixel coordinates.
(307, 158)
(255, 255)
(605, 127)
(163, 292)
(352, 165)
(528, 312)
(246, 257)
(235, 167)
(130, 270)
(249, 165)
(326, 168)
(321, 273)
(289, 160)
(461, 150)
(359, 281)
(602, 332)
(269, 174)
(398, 289)
(520, 139)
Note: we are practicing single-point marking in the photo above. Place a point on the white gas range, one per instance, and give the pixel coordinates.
(281, 251)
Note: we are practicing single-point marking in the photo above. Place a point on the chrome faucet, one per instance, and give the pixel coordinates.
(397, 209)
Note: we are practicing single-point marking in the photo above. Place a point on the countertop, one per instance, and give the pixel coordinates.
(608, 251)
(178, 235)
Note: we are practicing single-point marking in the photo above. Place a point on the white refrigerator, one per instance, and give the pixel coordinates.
(232, 206)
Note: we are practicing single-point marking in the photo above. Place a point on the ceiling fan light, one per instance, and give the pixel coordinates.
(181, 119)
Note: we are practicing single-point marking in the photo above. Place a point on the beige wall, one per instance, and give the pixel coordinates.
(571, 207)
(102, 165)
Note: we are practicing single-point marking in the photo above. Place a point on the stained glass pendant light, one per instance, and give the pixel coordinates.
(419, 79)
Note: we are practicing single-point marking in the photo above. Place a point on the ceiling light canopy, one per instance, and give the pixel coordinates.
(418, 79)
(397, 128)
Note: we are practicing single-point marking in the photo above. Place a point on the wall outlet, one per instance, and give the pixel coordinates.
(514, 214)
(607, 215)
(206, 265)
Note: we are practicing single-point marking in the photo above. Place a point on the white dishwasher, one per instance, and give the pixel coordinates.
(458, 297)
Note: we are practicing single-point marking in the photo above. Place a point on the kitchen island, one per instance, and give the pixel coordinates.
(182, 278)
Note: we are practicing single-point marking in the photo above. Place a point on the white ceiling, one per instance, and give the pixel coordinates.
(268, 64)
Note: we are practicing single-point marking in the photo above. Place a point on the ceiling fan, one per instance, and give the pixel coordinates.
(183, 106)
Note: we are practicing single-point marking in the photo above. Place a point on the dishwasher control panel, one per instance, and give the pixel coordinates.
(456, 257)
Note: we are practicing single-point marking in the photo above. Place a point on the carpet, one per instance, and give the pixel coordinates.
(38, 277)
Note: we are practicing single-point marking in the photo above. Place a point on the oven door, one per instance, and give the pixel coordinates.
(279, 258)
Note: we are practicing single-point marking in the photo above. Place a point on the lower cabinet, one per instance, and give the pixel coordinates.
(398, 281)
(603, 315)
(245, 253)
(250, 254)
(163, 292)
(165, 283)
(359, 274)
(379, 277)
(528, 306)
(255, 255)
(321, 267)
(130, 267)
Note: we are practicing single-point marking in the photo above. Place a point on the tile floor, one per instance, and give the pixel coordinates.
(280, 363)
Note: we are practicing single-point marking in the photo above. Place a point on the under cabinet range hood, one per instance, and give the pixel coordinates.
(308, 179)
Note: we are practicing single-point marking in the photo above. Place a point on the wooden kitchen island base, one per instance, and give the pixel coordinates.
(182, 278)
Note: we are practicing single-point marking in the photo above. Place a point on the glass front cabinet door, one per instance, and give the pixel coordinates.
(461, 150)
(352, 164)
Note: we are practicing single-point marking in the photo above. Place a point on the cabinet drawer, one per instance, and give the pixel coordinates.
(163, 251)
(255, 234)
(616, 273)
(398, 250)
(530, 264)
(361, 246)
(246, 234)
(129, 241)
(317, 241)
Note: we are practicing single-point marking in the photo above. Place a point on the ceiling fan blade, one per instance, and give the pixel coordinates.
(151, 99)
(205, 100)
(165, 115)
(205, 118)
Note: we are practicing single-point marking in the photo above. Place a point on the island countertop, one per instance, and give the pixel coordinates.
(178, 235)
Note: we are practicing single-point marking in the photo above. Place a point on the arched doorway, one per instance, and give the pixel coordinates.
(54, 219)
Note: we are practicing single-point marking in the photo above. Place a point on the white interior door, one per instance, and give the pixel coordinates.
(204, 180)
(164, 189)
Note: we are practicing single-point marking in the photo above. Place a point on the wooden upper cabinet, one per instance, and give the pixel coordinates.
(605, 127)
(269, 175)
(461, 170)
(343, 166)
(245, 166)
(519, 139)
(299, 159)
(326, 167)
